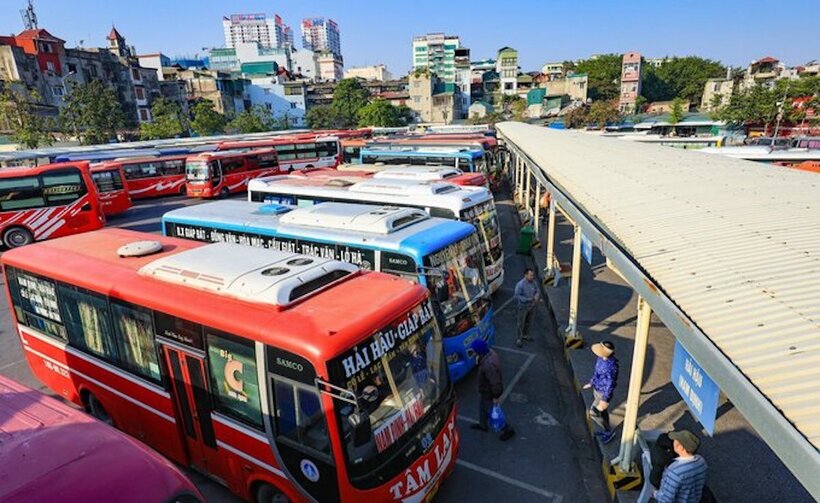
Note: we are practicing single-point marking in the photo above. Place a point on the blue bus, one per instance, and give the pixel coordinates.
(444, 255)
(466, 159)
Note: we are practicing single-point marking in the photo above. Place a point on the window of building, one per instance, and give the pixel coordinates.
(234, 382)
(50, 66)
(57, 90)
(143, 114)
(508, 86)
(135, 73)
(140, 93)
(416, 99)
(72, 68)
(292, 106)
(135, 335)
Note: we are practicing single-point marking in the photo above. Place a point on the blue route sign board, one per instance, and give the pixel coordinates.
(696, 388)
(586, 249)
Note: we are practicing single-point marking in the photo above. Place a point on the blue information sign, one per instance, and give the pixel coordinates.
(586, 249)
(696, 388)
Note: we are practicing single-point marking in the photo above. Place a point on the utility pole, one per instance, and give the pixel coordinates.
(780, 114)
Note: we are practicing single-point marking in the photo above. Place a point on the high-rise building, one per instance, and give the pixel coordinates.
(507, 67)
(630, 82)
(437, 53)
(321, 35)
(269, 33)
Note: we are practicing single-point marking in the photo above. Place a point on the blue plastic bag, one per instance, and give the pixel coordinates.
(497, 419)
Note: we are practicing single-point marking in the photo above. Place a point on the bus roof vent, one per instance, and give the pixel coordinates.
(338, 182)
(139, 249)
(354, 217)
(251, 274)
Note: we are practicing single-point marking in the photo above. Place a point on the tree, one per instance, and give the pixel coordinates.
(28, 128)
(348, 97)
(676, 112)
(602, 113)
(381, 113)
(679, 77)
(754, 105)
(322, 117)
(206, 121)
(254, 120)
(167, 121)
(604, 74)
(519, 109)
(92, 112)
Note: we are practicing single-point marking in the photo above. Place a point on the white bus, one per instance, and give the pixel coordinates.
(439, 199)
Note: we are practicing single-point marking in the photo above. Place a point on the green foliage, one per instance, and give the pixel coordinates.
(168, 121)
(760, 105)
(676, 112)
(254, 120)
(207, 121)
(599, 114)
(679, 77)
(491, 118)
(92, 113)
(519, 109)
(322, 117)
(28, 128)
(381, 113)
(348, 98)
(604, 73)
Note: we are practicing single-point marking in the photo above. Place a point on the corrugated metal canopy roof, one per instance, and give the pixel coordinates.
(734, 244)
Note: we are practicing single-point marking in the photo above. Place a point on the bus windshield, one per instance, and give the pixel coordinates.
(197, 171)
(397, 376)
(485, 219)
(107, 181)
(457, 276)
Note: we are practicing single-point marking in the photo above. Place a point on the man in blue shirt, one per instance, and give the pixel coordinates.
(603, 383)
(683, 480)
(526, 298)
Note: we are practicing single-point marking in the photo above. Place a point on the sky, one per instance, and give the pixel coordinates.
(734, 32)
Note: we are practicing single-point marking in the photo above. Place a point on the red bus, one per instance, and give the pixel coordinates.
(53, 452)
(296, 152)
(47, 201)
(148, 177)
(110, 183)
(218, 174)
(277, 374)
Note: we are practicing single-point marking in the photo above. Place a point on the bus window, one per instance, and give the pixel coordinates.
(21, 193)
(35, 303)
(267, 161)
(89, 328)
(107, 181)
(172, 167)
(135, 335)
(286, 152)
(305, 150)
(299, 416)
(64, 186)
(232, 165)
(234, 381)
(326, 149)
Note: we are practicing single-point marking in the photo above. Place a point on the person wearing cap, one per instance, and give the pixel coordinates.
(526, 296)
(490, 387)
(603, 382)
(684, 479)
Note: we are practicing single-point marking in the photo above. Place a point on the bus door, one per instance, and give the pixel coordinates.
(216, 173)
(190, 389)
(299, 425)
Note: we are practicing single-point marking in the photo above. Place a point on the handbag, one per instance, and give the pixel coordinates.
(497, 419)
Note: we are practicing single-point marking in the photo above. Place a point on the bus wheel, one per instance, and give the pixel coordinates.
(266, 493)
(224, 192)
(310, 166)
(96, 409)
(290, 170)
(17, 236)
(183, 190)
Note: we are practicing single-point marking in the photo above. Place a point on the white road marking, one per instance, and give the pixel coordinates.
(512, 350)
(557, 498)
(516, 378)
(505, 304)
(544, 418)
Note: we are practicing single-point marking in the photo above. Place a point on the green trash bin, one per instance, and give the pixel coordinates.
(525, 238)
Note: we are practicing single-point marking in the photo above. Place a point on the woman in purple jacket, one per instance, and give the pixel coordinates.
(603, 383)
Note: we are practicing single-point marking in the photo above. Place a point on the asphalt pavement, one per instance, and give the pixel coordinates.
(552, 457)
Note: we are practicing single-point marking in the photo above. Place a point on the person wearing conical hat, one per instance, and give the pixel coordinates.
(603, 382)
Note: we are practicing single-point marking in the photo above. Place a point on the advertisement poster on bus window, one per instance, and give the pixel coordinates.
(233, 370)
